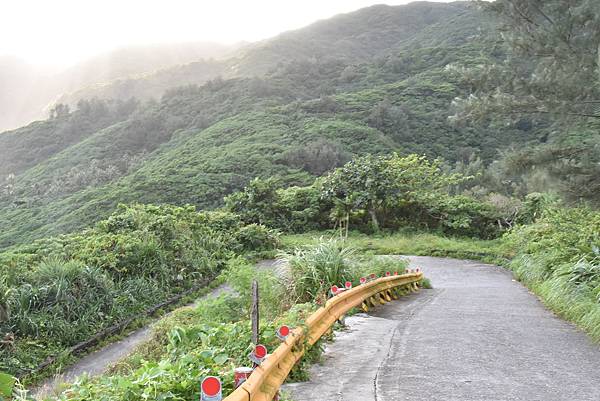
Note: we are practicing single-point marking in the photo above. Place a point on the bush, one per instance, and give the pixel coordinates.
(371, 193)
(255, 237)
(315, 268)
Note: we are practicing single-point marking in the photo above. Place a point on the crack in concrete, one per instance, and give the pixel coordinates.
(403, 340)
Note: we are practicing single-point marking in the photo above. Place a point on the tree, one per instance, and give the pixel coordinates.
(316, 157)
(552, 66)
(60, 110)
(258, 203)
(376, 183)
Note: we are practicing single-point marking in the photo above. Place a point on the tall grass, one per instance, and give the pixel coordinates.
(416, 243)
(558, 257)
(314, 269)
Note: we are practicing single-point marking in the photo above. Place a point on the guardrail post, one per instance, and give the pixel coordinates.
(382, 300)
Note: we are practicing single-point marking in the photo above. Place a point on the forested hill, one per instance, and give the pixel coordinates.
(349, 38)
(28, 92)
(372, 81)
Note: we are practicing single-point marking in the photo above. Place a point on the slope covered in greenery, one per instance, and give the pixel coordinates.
(293, 142)
(60, 291)
(351, 38)
(308, 115)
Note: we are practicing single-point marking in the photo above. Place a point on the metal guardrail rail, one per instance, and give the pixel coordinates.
(264, 382)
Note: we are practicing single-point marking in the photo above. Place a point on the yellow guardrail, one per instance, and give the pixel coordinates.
(264, 382)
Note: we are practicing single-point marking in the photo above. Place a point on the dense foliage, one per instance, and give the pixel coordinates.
(214, 337)
(59, 291)
(372, 193)
(549, 77)
(558, 255)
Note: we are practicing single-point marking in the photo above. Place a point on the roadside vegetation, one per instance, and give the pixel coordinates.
(214, 337)
(394, 205)
(61, 291)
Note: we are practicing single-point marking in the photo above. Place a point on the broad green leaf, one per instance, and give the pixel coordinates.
(7, 383)
(221, 359)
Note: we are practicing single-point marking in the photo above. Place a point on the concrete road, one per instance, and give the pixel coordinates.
(479, 335)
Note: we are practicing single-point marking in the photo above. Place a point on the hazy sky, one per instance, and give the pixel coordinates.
(61, 32)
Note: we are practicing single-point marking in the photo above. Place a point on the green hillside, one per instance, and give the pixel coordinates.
(28, 91)
(197, 144)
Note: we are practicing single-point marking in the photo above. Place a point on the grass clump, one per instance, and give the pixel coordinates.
(414, 243)
(313, 269)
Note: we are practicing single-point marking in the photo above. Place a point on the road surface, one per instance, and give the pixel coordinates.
(478, 335)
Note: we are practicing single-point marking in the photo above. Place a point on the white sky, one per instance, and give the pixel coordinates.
(61, 32)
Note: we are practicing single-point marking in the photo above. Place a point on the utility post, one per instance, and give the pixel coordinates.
(254, 313)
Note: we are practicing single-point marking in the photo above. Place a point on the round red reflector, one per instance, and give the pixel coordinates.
(363, 280)
(284, 331)
(334, 289)
(348, 284)
(260, 351)
(211, 386)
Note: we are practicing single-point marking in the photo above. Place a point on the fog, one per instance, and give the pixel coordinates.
(60, 33)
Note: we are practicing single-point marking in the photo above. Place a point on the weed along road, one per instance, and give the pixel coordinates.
(478, 335)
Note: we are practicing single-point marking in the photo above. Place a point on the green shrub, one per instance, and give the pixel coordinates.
(558, 256)
(254, 237)
(371, 193)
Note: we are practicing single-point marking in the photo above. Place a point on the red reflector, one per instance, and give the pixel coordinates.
(348, 284)
(363, 280)
(284, 331)
(260, 351)
(211, 386)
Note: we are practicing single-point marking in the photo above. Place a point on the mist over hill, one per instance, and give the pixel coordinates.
(30, 91)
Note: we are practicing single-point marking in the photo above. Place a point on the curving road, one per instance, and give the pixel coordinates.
(478, 335)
